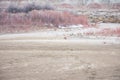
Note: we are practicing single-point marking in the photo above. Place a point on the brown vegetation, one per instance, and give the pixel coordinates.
(42, 18)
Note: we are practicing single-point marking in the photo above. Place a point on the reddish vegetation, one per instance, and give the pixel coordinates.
(39, 18)
(106, 32)
(116, 6)
(110, 32)
(66, 6)
(95, 6)
(103, 6)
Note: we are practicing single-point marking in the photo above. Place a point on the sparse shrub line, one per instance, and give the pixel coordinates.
(28, 7)
(38, 19)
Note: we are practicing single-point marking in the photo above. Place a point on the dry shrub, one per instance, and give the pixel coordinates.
(41, 18)
(12, 8)
(95, 6)
(109, 32)
(104, 32)
(57, 18)
(116, 6)
(118, 31)
(65, 5)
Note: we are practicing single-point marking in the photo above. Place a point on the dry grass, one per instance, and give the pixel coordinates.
(23, 21)
(105, 32)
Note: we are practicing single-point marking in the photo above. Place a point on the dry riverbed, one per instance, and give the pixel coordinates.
(30, 57)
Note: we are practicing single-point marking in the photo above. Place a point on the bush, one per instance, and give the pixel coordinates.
(46, 7)
(28, 7)
(14, 9)
(41, 18)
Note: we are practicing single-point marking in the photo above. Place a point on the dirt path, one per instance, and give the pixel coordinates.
(58, 60)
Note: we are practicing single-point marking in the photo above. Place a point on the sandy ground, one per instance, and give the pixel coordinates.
(36, 59)
(59, 55)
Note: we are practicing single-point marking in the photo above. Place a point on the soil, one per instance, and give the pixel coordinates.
(58, 60)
